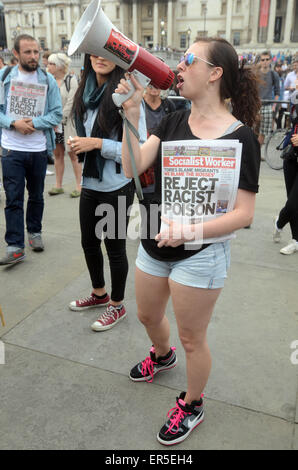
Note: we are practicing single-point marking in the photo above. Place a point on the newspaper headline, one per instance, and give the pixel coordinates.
(26, 100)
(200, 180)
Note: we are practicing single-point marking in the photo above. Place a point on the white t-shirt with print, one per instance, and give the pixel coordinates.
(14, 140)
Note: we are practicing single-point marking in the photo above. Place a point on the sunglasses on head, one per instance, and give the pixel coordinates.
(190, 58)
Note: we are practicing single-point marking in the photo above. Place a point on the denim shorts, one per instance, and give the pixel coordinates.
(207, 269)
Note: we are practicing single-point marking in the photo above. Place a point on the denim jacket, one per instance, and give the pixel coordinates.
(112, 151)
(53, 107)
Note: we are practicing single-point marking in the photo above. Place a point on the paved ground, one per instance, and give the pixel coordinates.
(66, 387)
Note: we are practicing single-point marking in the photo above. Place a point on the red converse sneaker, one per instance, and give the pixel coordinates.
(89, 302)
(109, 318)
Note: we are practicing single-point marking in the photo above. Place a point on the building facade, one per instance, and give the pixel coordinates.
(159, 24)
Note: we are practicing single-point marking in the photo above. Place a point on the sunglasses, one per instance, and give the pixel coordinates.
(190, 58)
(265, 60)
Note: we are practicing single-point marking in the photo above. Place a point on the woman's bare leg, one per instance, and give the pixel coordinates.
(77, 169)
(193, 308)
(152, 294)
(59, 164)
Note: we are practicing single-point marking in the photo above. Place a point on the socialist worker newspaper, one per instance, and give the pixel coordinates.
(199, 182)
(26, 100)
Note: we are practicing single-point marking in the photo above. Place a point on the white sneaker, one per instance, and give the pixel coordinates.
(49, 173)
(276, 233)
(290, 248)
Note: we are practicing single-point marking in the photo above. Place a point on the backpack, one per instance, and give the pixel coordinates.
(67, 81)
(274, 82)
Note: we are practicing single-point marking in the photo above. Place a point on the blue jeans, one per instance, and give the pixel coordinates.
(18, 168)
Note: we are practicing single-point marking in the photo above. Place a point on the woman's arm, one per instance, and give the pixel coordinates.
(241, 216)
(112, 149)
(294, 140)
(146, 154)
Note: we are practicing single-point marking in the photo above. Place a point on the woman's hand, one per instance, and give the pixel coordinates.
(176, 234)
(133, 103)
(84, 144)
(294, 140)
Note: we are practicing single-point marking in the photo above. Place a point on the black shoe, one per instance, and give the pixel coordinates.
(13, 257)
(183, 418)
(145, 371)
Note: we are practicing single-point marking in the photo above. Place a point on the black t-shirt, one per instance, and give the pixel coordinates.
(154, 116)
(175, 127)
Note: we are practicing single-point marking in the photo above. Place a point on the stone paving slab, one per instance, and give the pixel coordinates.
(52, 403)
(64, 386)
(249, 336)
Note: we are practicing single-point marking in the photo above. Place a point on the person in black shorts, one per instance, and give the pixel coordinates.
(208, 74)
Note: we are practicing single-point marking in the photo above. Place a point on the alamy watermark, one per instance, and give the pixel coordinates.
(2, 353)
(113, 222)
(294, 355)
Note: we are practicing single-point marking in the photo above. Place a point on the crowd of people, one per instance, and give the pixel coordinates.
(224, 100)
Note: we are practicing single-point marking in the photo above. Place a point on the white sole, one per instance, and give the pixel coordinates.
(180, 439)
(154, 375)
(108, 327)
(18, 260)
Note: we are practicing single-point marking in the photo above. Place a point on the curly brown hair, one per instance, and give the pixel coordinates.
(240, 84)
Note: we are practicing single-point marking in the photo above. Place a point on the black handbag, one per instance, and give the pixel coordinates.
(289, 153)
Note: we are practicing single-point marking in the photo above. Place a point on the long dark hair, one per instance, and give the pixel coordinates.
(239, 82)
(108, 117)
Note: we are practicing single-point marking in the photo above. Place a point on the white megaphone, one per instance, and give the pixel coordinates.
(96, 35)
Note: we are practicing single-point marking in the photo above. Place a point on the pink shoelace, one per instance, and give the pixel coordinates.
(176, 415)
(148, 366)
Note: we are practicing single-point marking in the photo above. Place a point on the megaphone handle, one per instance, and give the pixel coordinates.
(142, 79)
(128, 126)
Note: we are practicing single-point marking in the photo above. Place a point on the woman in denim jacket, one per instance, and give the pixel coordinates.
(106, 193)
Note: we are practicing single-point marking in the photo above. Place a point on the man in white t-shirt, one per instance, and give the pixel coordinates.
(291, 78)
(30, 107)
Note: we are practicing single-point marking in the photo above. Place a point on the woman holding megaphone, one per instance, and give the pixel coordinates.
(104, 186)
(208, 74)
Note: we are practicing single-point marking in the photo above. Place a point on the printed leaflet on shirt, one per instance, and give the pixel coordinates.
(26, 100)
(199, 181)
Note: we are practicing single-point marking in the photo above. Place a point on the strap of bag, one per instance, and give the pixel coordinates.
(128, 126)
(5, 73)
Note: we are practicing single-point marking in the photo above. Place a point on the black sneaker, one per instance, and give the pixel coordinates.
(13, 257)
(183, 418)
(145, 371)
